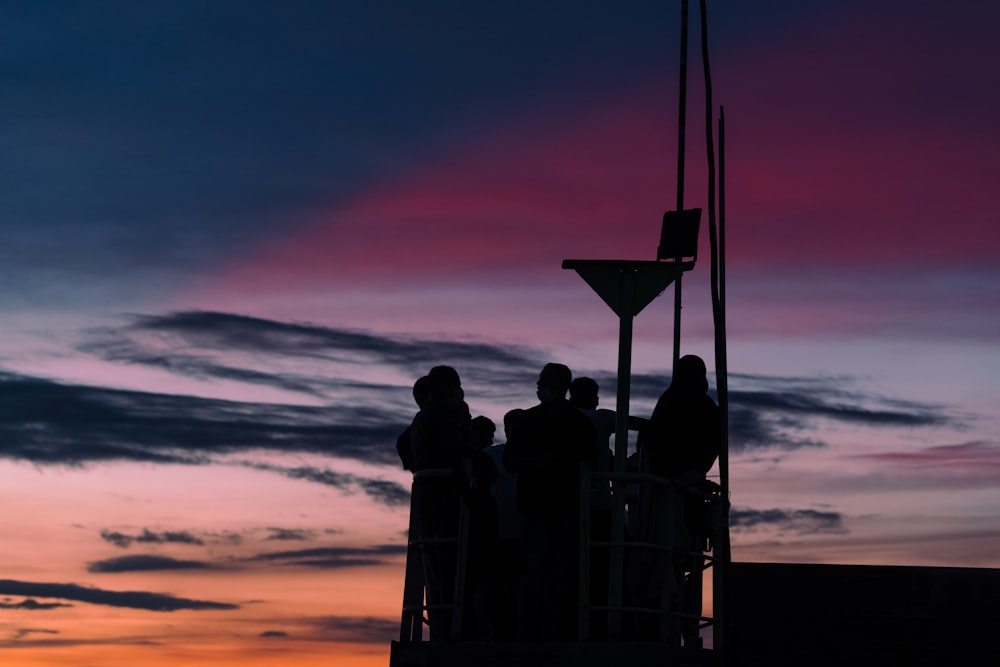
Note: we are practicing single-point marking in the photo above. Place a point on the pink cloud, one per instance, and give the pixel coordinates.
(938, 546)
(963, 465)
(525, 196)
(854, 142)
(842, 151)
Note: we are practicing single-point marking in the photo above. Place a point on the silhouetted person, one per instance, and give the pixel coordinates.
(683, 435)
(507, 579)
(404, 445)
(681, 443)
(440, 431)
(546, 451)
(439, 441)
(583, 394)
(481, 432)
(483, 530)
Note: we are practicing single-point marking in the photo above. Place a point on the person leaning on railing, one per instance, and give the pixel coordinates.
(439, 438)
(681, 443)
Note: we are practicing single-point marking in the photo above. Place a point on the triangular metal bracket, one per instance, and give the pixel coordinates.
(627, 286)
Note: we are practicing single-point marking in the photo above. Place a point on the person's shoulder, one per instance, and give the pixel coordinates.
(532, 415)
(665, 401)
(483, 458)
(581, 420)
(605, 416)
(567, 409)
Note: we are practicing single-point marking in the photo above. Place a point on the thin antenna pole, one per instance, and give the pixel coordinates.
(722, 217)
(721, 362)
(682, 106)
(681, 131)
(722, 636)
(724, 554)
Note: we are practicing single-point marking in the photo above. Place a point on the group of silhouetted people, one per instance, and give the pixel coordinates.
(520, 501)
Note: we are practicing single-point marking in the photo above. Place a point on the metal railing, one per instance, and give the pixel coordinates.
(426, 589)
(675, 610)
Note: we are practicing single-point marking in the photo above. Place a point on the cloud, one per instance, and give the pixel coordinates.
(771, 412)
(848, 112)
(24, 632)
(19, 641)
(227, 536)
(172, 537)
(830, 403)
(336, 557)
(289, 534)
(774, 412)
(118, 539)
(149, 537)
(338, 629)
(387, 492)
(484, 197)
(144, 563)
(156, 340)
(759, 429)
(611, 159)
(966, 454)
(52, 423)
(799, 522)
(130, 599)
(30, 604)
(490, 367)
(356, 629)
(203, 369)
(48, 422)
(963, 465)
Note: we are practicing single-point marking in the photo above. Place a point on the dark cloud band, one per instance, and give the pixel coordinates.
(130, 599)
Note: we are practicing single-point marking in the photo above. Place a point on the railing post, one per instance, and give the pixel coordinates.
(583, 566)
(411, 625)
(461, 567)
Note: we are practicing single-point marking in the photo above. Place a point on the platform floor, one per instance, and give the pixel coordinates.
(545, 654)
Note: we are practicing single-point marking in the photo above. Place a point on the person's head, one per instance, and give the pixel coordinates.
(690, 375)
(553, 382)
(443, 383)
(583, 393)
(510, 421)
(421, 391)
(481, 430)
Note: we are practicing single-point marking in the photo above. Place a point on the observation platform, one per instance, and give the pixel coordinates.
(658, 646)
(550, 654)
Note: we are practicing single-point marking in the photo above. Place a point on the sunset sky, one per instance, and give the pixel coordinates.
(233, 233)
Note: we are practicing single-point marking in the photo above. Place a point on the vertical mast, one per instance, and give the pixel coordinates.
(720, 582)
(716, 230)
(682, 125)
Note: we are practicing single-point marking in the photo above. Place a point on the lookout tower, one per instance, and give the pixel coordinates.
(615, 627)
(618, 626)
(618, 630)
